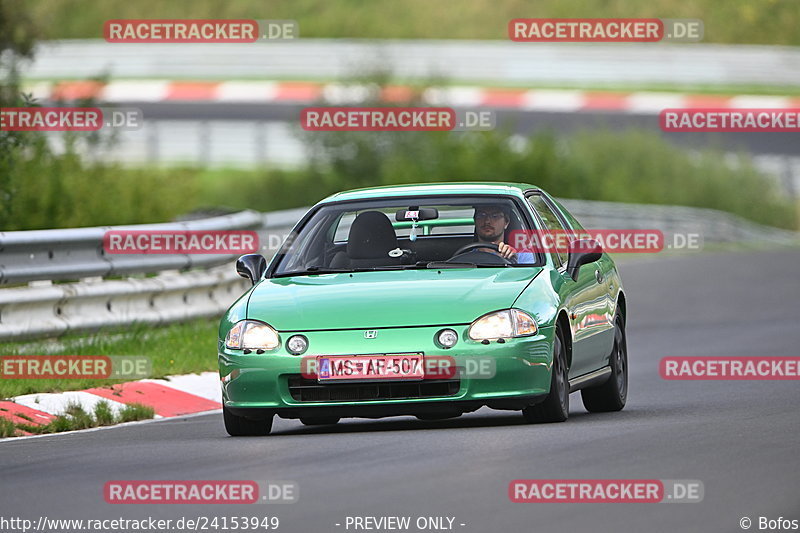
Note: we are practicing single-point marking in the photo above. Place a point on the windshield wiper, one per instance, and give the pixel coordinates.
(418, 264)
(456, 264)
(447, 264)
(315, 270)
(327, 270)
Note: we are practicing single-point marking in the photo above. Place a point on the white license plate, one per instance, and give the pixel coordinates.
(370, 367)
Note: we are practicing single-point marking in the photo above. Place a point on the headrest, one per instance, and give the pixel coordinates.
(371, 236)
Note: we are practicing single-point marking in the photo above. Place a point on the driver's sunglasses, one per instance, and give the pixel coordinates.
(494, 216)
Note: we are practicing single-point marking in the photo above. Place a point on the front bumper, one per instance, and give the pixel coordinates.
(262, 385)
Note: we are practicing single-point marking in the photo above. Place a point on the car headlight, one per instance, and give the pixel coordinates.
(297, 344)
(505, 324)
(252, 335)
(447, 338)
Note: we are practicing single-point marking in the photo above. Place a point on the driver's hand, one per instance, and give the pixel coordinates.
(506, 251)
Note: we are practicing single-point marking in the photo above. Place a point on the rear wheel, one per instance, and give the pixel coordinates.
(555, 408)
(611, 395)
(239, 426)
(319, 420)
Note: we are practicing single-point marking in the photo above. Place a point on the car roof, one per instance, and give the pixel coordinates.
(423, 189)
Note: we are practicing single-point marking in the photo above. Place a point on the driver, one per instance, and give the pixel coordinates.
(491, 222)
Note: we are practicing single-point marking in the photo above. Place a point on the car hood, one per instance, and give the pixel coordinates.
(386, 298)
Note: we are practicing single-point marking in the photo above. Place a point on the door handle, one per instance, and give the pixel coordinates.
(598, 276)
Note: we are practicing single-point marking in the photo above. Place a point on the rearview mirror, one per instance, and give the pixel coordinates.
(415, 213)
(251, 266)
(582, 252)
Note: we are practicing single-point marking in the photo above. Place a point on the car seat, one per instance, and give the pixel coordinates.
(369, 242)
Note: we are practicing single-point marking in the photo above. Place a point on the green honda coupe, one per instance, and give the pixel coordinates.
(425, 300)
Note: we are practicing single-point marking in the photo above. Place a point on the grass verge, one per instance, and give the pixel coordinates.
(175, 349)
(76, 417)
(733, 21)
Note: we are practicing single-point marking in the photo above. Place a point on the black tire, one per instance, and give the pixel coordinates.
(554, 408)
(319, 420)
(611, 395)
(239, 426)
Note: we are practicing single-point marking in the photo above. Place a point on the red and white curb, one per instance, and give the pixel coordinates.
(289, 92)
(169, 397)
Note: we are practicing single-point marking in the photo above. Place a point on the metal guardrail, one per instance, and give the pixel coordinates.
(457, 60)
(184, 288)
(70, 254)
(713, 226)
(44, 309)
(53, 310)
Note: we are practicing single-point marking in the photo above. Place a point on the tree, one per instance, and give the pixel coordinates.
(18, 35)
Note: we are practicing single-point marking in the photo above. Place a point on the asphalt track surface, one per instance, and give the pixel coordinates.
(518, 121)
(738, 438)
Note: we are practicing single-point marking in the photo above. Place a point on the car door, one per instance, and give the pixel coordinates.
(601, 323)
(585, 299)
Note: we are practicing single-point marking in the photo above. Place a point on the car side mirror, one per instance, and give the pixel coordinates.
(251, 266)
(581, 252)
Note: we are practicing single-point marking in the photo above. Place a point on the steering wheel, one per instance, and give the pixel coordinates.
(471, 247)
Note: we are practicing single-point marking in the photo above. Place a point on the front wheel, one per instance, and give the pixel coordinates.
(611, 395)
(239, 426)
(555, 407)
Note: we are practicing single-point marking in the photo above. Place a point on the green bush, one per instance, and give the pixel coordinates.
(52, 191)
(629, 166)
(47, 190)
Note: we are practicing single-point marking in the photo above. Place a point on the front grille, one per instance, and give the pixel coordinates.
(309, 390)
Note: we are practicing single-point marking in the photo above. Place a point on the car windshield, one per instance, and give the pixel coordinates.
(407, 233)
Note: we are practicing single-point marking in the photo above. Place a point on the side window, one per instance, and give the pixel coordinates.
(343, 229)
(551, 222)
